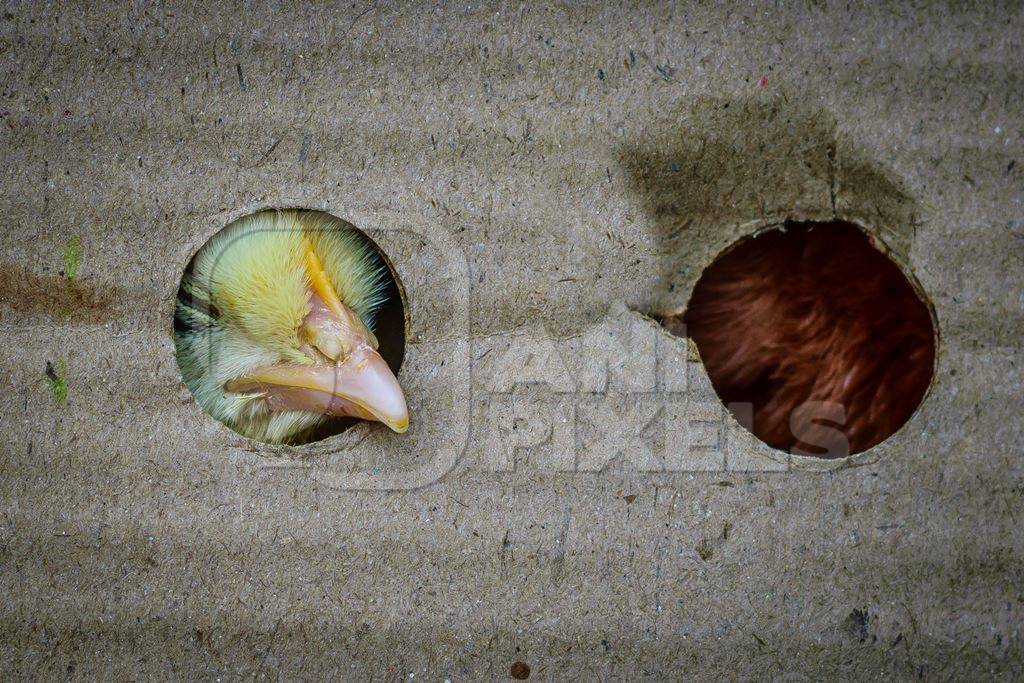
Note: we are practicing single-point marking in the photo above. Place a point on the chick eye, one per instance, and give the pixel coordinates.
(300, 356)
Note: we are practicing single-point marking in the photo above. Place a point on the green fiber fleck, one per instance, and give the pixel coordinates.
(58, 383)
(72, 257)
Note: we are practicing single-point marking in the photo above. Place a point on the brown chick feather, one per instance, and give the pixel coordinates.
(814, 313)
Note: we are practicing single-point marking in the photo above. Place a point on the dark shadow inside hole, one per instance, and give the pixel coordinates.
(818, 333)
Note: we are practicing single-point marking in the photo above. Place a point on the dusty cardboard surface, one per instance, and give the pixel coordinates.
(517, 164)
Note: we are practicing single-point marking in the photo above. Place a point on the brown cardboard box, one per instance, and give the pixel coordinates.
(537, 174)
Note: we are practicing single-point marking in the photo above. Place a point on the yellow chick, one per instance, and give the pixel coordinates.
(273, 327)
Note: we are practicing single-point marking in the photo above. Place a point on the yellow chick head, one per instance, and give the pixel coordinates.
(273, 327)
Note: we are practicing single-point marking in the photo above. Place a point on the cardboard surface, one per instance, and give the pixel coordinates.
(540, 176)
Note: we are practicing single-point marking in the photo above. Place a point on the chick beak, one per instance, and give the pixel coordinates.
(347, 378)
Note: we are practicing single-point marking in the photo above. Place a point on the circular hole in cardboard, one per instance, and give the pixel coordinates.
(390, 323)
(814, 338)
